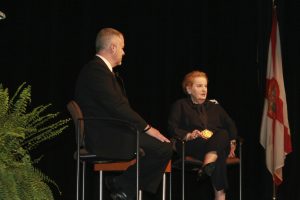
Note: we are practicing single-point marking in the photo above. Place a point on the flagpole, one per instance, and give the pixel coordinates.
(275, 132)
(274, 185)
(274, 191)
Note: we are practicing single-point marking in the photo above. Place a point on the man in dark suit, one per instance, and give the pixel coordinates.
(99, 94)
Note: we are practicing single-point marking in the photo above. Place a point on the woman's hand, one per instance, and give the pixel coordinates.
(232, 149)
(193, 135)
(205, 134)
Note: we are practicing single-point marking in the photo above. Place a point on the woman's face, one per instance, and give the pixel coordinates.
(198, 89)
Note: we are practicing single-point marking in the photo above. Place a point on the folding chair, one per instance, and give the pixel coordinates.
(82, 156)
(194, 163)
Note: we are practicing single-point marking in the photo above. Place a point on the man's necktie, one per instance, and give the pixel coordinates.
(121, 82)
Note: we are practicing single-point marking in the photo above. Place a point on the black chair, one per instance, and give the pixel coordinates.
(186, 163)
(82, 156)
(122, 166)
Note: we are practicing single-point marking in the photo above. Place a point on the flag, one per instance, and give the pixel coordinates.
(275, 131)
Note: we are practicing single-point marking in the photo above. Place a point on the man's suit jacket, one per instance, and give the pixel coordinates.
(99, 94)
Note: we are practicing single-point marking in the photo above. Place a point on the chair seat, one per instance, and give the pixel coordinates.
(193, 164)
(114, 166)
(233, 161)
(190, 164)
(85, 156)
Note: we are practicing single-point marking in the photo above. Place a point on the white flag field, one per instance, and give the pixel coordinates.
(275, 131)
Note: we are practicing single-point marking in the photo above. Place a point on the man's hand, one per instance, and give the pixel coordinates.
(156, 134)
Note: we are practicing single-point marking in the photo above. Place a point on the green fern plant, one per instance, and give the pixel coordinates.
(21, 131)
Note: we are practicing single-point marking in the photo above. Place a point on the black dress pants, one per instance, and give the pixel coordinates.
(152, 166)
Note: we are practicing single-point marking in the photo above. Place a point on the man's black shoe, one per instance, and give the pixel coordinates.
(116, 190)
(119, 196)
(110, 184)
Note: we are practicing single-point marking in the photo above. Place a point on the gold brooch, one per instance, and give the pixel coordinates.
(207, 133)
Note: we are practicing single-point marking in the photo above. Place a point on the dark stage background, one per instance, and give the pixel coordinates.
(45, 43)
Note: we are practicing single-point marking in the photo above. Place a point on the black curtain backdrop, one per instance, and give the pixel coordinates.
(45, 43)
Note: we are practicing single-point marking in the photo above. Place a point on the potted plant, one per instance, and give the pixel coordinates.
(22, 130)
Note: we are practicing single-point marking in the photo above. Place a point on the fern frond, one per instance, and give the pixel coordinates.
(20, 105)
(45, 134)
(46, 178)
(8, 185)
(21, 131)
(35, 118)
(4, 99)
(12, 99)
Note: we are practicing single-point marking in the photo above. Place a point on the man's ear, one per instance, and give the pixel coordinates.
(188, 90)
(113, 48)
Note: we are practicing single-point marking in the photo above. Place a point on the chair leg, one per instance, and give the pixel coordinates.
(140, 196)
(83, 179)
(183, 170)
(240, 170)
(100, 185)
(138, 166)
(77, 179)
(170, 185)
(164, 187)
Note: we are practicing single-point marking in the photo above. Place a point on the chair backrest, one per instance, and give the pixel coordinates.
(129, 133)
(77, 117)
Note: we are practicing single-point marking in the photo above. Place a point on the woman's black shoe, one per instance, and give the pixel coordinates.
(209, 168)
(206, 171)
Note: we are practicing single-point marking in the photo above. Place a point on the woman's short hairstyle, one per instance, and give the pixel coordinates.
(189, 79)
